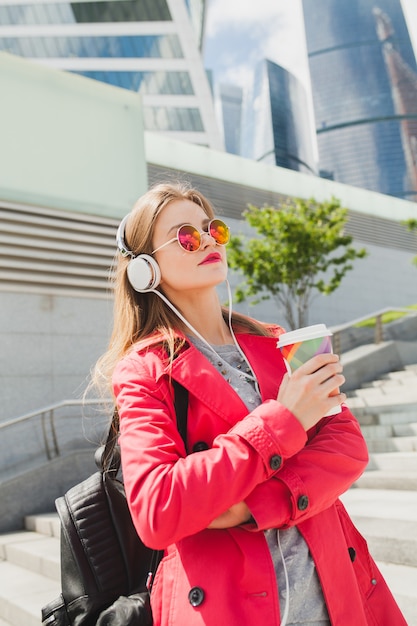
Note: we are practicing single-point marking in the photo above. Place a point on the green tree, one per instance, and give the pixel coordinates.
(411, 226)
(300, 247)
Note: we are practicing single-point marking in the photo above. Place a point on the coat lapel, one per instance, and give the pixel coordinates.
(266, 361)
(193, 370)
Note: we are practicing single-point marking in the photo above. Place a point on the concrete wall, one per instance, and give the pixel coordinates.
(68, 142)
(48, 346)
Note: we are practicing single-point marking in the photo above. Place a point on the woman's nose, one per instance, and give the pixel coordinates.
(207, 239)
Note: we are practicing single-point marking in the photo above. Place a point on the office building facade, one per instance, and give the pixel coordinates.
(364, 81)
(276, 128)
(149, 46)
(230, 99)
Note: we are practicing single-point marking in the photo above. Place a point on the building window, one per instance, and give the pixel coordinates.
(173, 119)
(85, 12)
(126, 46)
(165, 83)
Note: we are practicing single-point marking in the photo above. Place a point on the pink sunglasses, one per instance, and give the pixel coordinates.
(189, 237)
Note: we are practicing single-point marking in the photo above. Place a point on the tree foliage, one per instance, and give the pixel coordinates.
(301, 247)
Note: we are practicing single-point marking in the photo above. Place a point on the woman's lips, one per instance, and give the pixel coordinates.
(214, 257)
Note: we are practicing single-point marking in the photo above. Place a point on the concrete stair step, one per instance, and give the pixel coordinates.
(377, 431)
(404, 430)
(392, 444)
(406, 374)
(402, 580)
(401, 374)
(373, 399)
(33, 551)
(45, 523)
(396, 415)
(23, 594)
(29, 570)
(403, 462)
(382, 504)
(381, 479)
(390, 437)
(382, 409)
(390, 385)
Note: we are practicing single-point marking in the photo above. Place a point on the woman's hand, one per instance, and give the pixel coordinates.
(313, 389)
(236, 515)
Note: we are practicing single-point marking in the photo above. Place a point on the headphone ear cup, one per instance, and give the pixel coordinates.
(143, 273)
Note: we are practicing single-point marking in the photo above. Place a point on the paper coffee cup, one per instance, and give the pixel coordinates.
(298, 346)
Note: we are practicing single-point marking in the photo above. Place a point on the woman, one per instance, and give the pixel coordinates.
(248, 516)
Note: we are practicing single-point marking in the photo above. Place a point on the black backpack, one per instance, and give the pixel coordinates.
(105, 567)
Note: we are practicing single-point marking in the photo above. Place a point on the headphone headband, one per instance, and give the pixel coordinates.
(143, 271)
(120, 239)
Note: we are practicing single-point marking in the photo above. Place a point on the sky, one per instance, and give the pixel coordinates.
(241, 32)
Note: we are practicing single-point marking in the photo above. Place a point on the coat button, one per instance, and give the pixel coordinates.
(200, 446)
(302, 503)
(196, 596)
(275, 462)
(352, 554)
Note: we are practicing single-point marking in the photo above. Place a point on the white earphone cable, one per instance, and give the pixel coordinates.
(287, 584)
(182, 318)
(253, 377)
(187, 323)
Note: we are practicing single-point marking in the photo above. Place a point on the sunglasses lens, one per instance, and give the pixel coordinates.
(189, 238)
(220, 232)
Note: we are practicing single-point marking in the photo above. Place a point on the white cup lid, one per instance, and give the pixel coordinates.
(303, 334)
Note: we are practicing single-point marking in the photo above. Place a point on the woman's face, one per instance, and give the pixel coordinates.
(182, 270)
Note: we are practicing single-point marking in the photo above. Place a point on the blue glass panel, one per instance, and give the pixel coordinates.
(133, 46)
(174, 83)
(173, 119)
(85, 12)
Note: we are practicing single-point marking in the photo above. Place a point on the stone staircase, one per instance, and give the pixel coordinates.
(387, 412)
(29, 570)
(382, 503)
(30, 574)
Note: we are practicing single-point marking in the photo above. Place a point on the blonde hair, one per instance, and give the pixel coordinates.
(137, 316)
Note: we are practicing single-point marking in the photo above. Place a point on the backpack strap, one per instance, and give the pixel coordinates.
(181, 409)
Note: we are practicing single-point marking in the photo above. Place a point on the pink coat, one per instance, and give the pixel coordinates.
(226, 577)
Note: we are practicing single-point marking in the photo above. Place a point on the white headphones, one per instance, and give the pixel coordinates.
(142, 271)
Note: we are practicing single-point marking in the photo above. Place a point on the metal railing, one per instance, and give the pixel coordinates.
(378, 335)
(30, 440)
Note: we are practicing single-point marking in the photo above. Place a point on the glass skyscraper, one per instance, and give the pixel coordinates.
(149, 46)
(276, 128)
(230, 98)
(364, 80)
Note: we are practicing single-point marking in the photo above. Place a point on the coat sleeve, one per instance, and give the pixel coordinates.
(312, 480)
(172, 495)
